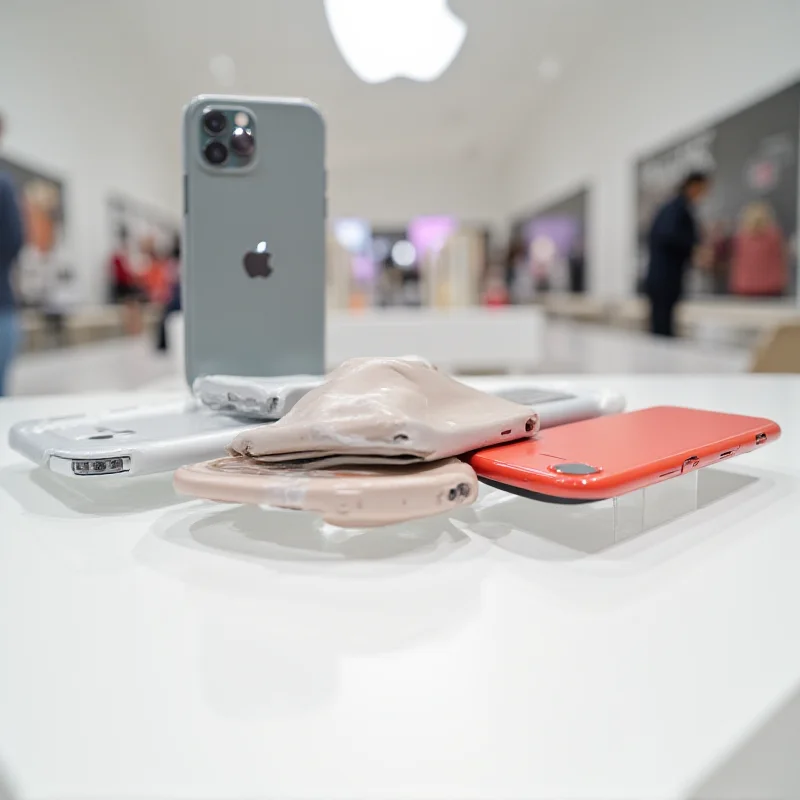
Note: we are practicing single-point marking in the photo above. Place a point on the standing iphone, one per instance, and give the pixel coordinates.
(352, 497)
(605, 457)
(254, 237)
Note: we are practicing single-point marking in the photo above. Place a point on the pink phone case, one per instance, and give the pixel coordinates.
(355, 497)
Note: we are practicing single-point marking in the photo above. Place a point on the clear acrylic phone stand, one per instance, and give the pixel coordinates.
(639, 511)
(589, 527)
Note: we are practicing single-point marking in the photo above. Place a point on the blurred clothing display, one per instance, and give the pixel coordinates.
(760, 263)
(123, 278)
(720, 249)
(519, 273)
(552, 239)
(172, 303)
(672, 240)
(157, 281)
(59, 300)
(124, 285)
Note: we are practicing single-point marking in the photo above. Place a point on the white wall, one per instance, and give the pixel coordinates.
(658, 71)
(84, 101)
(79, 104)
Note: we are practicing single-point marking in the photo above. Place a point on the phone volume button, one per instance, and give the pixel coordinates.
(185, 194)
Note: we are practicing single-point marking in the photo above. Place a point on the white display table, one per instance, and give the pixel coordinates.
(458, 339)
(154, 647)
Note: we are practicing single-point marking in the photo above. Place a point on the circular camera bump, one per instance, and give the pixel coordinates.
(215, 153)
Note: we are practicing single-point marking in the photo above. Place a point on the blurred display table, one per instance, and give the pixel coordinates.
(155, 647)
(459, 339)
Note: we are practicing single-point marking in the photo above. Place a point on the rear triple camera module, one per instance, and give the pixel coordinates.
(216, 153)
(228, 138)
(214, 122)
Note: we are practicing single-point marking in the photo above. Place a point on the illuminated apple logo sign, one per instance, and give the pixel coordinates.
(385, 39)
(257, 262)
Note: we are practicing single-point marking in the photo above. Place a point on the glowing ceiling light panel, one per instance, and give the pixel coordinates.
(385, 39)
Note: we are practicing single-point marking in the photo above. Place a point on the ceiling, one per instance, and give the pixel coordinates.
(284, 47)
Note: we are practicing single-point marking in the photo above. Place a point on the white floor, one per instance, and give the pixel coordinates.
(571, 348)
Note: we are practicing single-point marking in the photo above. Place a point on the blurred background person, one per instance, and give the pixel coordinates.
(173, 302)
(577, 267)
(672, 240)
(760, 260)
(124, 285)
(11, 241)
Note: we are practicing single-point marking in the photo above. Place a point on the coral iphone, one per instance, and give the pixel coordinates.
(608, 456)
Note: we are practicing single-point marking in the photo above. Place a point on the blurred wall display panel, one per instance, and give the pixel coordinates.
(748, 223)
(41, 200)
(389, 266)
(547, 251)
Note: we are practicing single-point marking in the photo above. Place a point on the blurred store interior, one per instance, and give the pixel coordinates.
(510, 185)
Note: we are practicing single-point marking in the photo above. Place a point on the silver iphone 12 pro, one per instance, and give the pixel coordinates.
(254, 237)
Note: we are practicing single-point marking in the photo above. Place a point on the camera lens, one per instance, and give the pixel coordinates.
(214, 122)
(243, 143)
(216, 153)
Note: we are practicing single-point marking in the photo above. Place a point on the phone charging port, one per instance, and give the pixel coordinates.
(726, 454)
(761, 438)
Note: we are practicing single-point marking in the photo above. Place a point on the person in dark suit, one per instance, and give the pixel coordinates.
(673, 237)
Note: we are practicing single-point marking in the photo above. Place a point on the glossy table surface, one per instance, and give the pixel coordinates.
(154, 647)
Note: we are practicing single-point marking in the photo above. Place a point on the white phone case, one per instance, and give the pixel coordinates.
(260, 399)
(128, 441)
(556, 402)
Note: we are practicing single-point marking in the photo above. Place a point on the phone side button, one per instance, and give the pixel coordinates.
(185, 194)
(690, 464)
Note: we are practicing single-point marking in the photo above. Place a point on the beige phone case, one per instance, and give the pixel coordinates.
(356, 497)
(391, 411)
